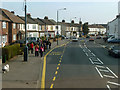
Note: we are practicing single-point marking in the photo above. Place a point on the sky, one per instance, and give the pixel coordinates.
(92, 12)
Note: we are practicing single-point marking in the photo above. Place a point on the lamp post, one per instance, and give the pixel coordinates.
(26, 48)
(57, 21)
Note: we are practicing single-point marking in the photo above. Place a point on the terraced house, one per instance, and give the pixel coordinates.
(70, 29)
(96, 29)
(50, 26)
(32, 26)
(10, 24)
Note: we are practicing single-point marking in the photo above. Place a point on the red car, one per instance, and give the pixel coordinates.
(91, 39)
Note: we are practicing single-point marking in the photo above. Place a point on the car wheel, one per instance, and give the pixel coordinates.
(109, 53)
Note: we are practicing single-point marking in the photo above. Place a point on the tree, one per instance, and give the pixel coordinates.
(85, 28)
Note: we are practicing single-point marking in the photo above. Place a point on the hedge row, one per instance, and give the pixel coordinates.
(9, 52)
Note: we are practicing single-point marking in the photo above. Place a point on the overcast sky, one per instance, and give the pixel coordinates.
(92, 12)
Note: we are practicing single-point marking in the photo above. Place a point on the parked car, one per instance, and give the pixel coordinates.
(105, 38)
(110, 38)
(32, 39)
(63, 37)
(91, 39)
(114, 51)
(114, 40)
(98, 37)
(87, 36)
(74, 39)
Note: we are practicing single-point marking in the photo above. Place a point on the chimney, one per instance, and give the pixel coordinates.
(63, 21)
(117, 16)
(72, 21)
(12, 12)
(46, 17)
(80, 22)
(28, 15)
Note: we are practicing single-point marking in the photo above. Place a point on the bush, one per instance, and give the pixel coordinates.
(43, 38)
(10, 51)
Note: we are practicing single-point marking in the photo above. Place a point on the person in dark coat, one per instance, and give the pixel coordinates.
(41, 50)
(49, 45)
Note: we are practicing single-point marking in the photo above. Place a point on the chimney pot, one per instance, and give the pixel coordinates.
(46, 17)
(63, 20)
(13, 12)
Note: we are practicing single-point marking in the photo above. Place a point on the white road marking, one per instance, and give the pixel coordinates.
(108, 87)
(95, 60)
(100, 66)
(112, 72)
(100, 60)
(103, 70)
(83, 50)
(91, 61)
(97, 63)
(99, 72)
(80, 46)
(103, 46)
(109, 76)
(86, 54)
(113, 83)
(93, 54)
(89, 50)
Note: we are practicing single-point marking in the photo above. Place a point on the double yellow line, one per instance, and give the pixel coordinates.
(44, 66)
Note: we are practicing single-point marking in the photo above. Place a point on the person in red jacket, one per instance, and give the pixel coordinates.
(31, 46)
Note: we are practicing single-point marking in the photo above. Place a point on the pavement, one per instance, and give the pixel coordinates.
(25, 74)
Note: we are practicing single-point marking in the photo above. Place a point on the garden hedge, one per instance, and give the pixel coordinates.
(10, 51)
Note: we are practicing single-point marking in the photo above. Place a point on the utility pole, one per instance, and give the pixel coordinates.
(80, 22)
(57, 27)
(57, 22)
(26, 48)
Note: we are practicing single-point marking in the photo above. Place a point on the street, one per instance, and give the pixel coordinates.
(81, 64)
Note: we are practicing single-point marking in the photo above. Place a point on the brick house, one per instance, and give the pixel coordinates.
(49, 25)
(32, 26)
(13, 25)
(3, 29)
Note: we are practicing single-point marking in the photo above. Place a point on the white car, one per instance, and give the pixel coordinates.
(75, 39)
(110, 38)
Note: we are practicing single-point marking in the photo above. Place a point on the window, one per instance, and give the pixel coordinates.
(40, 27)
(34, 26)
(14, 37)
(28, 26)
(14, 25)
(23, 26)
(18, 26)
(51, 27)
(4, 38)
(4, 24)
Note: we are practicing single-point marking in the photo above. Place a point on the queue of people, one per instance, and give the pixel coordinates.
(40, 47)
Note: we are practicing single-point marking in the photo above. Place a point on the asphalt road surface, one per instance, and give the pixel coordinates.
(81, 64)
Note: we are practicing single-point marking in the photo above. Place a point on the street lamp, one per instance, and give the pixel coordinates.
(26, 48)
(57, 22)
